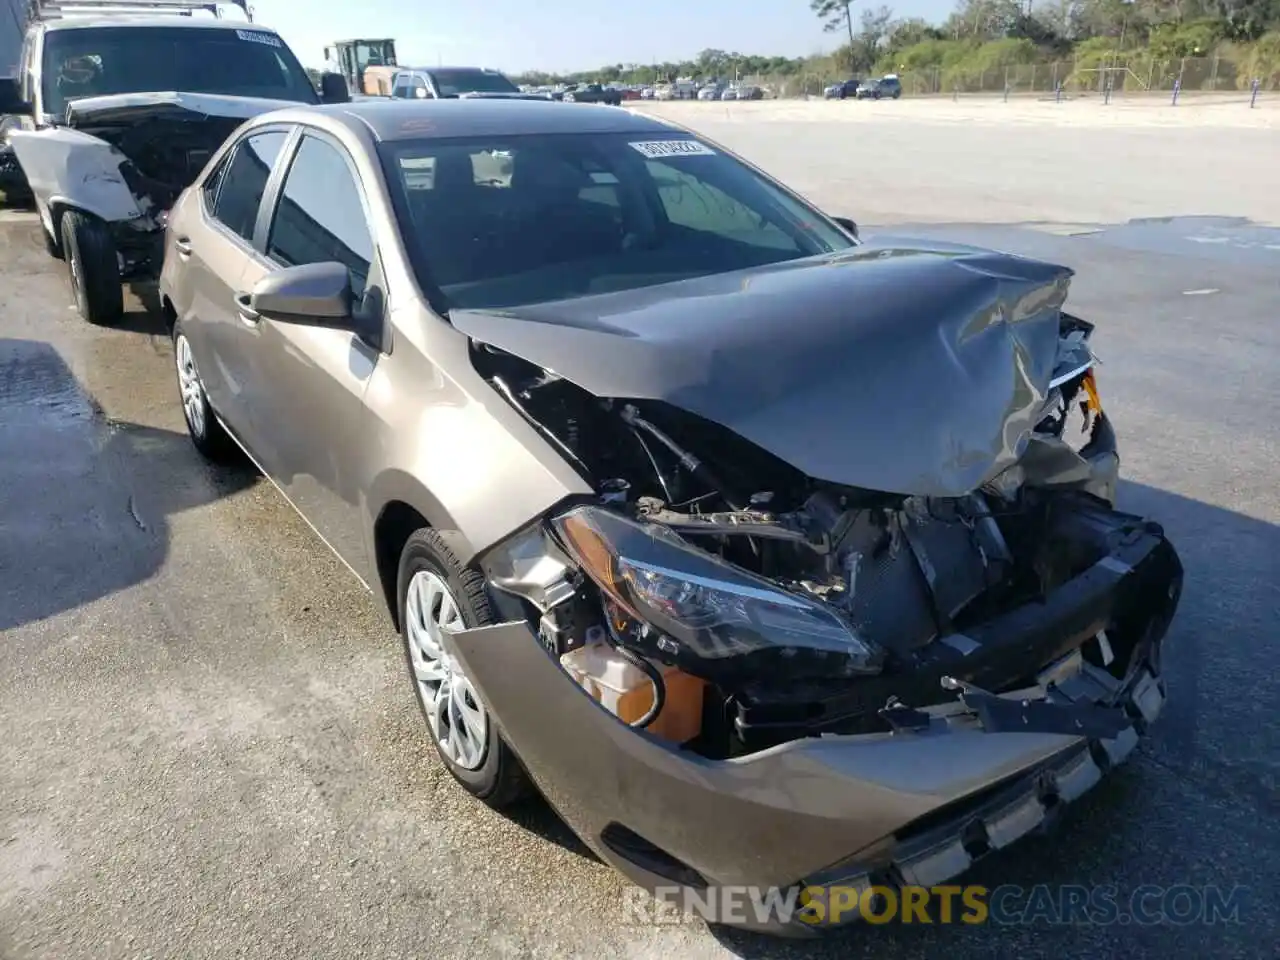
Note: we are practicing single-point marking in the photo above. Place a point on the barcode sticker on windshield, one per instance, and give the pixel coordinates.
(255, 36)
(662, 149)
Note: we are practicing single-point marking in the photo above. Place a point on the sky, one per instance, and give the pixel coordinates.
(562, 35)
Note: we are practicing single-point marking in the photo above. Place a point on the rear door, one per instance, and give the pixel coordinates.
(216, 248)
(308, 413)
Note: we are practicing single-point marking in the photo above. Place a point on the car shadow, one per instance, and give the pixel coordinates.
(147, 318)
(536, 816)
(87, 499)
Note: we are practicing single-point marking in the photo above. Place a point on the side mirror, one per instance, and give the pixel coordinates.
(333, 88)
(314, 294)
(11, 101)
(848, 225)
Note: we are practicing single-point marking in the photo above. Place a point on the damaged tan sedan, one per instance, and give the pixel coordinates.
(767, 554)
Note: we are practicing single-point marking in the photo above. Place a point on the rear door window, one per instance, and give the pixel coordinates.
(321, 216)
(234, 190)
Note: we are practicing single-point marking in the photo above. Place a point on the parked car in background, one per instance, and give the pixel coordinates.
(750, 92)
(729, 93)
(445, 83)
(631, 492)
(711, 91)
(880, 89)
(842, 90)
(593, 93)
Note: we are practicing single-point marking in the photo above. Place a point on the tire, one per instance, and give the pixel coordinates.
(490, 772)
(93, 268)
(206, 432)
(52, 245)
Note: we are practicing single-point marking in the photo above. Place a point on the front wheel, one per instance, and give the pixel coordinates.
(94, 268)
(437, 595)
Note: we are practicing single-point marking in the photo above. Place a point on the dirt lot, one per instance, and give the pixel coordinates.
(209, 747)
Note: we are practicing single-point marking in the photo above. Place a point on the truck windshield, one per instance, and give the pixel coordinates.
(451, 83)
(98, 61)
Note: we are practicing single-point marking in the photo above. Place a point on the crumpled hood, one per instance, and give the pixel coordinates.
(908, 367)
(140, 106)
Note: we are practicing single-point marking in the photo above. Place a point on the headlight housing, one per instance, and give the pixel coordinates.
(709, 617)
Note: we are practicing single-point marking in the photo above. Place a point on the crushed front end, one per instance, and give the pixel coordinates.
(721, 671)
(125, 159)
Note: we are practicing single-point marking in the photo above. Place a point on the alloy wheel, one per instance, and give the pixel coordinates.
(458, 720)
(189, 383)
(73, 268)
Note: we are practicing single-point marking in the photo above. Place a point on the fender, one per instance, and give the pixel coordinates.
(394, 485)
(69, 168)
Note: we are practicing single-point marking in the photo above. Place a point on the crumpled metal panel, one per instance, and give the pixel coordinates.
(917, 368)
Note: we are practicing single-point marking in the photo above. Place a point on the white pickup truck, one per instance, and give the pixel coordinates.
(111, 117)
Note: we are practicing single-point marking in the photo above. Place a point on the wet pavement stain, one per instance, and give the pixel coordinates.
(77, 521)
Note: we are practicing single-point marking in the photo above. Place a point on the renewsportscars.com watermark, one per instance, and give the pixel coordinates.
(1058, 905)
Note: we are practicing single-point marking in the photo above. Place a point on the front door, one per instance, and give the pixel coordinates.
(309, 426)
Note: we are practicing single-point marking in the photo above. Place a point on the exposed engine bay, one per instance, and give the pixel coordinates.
(805, 607)
(163, 155)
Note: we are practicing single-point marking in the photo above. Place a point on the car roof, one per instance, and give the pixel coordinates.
(206, 23)
(393, 120)
(403, 69)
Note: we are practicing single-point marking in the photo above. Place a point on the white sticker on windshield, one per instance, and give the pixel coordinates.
(256, 36)
(662, 149)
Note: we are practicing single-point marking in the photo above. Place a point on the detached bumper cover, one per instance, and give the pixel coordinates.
(915, 806)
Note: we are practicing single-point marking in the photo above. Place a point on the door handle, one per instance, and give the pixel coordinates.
(183, 247)
(249, 315)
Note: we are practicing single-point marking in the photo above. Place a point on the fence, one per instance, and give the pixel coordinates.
(1127, 76)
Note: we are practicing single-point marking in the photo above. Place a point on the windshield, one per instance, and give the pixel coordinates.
(501, 222)
(97, 61)
(451, 83)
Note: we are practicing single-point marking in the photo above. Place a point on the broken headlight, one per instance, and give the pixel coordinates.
(707, 616)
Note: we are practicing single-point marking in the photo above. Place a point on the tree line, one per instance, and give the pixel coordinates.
(989, 35)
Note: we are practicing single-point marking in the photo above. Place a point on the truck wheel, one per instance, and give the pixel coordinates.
(436, 595)
(53, 245)
(94, 270)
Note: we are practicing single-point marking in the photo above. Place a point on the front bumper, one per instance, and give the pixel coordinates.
(916, 806)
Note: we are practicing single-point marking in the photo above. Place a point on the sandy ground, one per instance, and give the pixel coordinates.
(1025, 161)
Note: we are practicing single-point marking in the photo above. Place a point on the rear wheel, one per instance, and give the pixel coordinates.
(206, 432)
(437, 595)
(93, 267)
